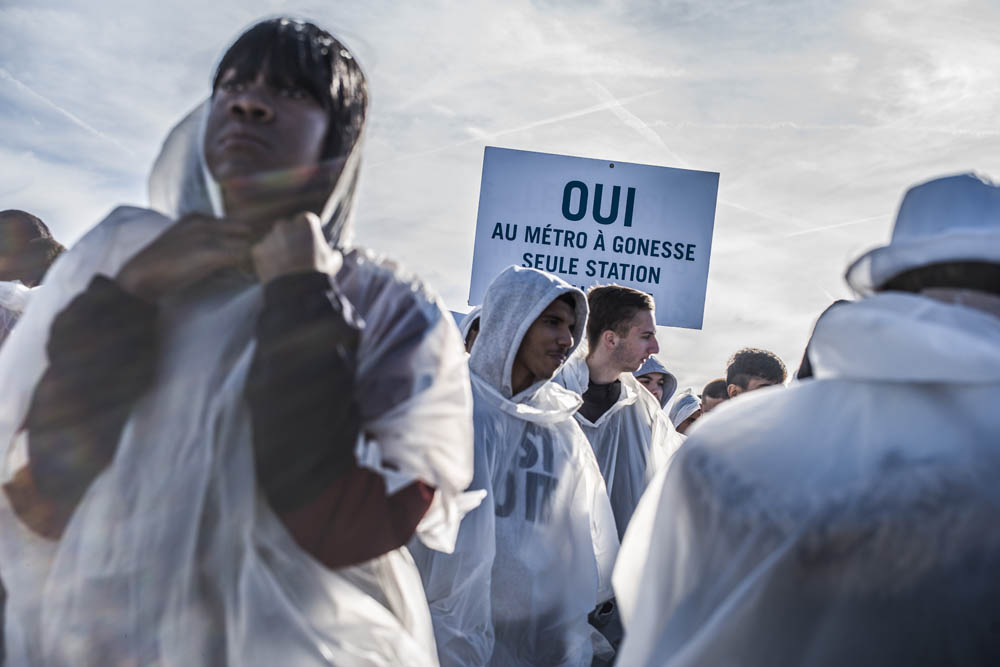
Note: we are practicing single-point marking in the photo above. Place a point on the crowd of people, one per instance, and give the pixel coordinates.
(231, 437)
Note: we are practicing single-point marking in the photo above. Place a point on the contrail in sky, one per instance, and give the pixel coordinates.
(7, 76)
(484, 135)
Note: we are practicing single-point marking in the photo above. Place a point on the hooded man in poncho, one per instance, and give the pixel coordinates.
(555, 538)
(220, 428)
(849, 519)
(625, 425)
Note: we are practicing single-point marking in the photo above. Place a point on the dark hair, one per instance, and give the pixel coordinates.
(979, 276)
(27, 241)
(612, 307)
(751, 363)
(715, 389)
(568, 299)
(299, 54)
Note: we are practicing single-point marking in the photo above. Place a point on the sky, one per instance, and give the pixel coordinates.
(816, 115)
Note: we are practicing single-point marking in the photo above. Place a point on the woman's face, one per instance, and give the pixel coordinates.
(255, 126)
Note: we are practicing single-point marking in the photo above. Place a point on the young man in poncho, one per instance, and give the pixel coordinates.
(546, 526)
(221, 426)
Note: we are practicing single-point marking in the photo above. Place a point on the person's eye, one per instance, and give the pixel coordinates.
(292, 92)
(232, 86)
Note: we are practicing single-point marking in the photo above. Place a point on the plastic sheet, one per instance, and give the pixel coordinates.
(555, 539)
(13, 301)
(631, 441)
(172, 557)
(849, 519)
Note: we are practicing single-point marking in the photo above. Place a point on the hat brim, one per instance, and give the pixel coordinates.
(876, 267)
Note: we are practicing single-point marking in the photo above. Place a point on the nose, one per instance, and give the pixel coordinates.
(656, 346)
(251, 106)
(566, 338)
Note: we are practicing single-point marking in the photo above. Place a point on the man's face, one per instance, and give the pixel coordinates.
(707, 403)
(686, 424)
(640, 342)
(654, 382)
(753, 384)
(548, 341)
(257, 126)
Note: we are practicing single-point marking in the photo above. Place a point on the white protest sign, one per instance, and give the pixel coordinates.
(594, 222)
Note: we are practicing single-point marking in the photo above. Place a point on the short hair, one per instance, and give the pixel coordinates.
(979, 276)
(751, 362)
(301, 54)
(717, 389)
(612, 307)
(26, 238)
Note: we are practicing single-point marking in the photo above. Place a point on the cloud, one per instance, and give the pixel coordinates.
(816, 115)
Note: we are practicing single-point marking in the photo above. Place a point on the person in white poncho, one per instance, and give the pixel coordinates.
(549, 520)
(851, 518)
(220, 428)
(627, 429)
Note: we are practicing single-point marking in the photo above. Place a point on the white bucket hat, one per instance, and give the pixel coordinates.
(951, 219)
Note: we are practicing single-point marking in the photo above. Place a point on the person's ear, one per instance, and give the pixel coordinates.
(609, 338)
(734, 390)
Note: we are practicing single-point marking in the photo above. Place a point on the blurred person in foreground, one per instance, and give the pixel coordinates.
(657, 380)
(224, 420)
(714, 393)
(685, 411)
(535, 558)
(751, 369)
(27, 248)
(626, 426)
(850, 519)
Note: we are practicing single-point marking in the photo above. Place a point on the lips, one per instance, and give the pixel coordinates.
(242, 139)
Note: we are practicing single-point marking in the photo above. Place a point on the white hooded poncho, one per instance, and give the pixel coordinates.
(631, 441)
(172, 556)
(555, 540)
(13, 301)
(846, 520)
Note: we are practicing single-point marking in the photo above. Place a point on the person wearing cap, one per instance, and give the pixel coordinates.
(685, 410)
(850, 519)
(626, 426)
(657, 380)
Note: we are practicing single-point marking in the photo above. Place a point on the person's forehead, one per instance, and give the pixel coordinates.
(559, 308)
(642, 321)
(655, 376)
(758, 382)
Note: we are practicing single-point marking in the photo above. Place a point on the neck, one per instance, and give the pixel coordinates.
(262, 209)
(520, 379)
(602, 370)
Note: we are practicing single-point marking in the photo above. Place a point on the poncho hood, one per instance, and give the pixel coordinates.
(512, 303)
(898, 337)
(180, 183)
(471, 317)
(685, 406)
(653, 365)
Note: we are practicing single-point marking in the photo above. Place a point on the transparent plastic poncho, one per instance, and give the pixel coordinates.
(172, 556)
(849, 519)
(555, 539)
(631, 441)
(13, 300)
